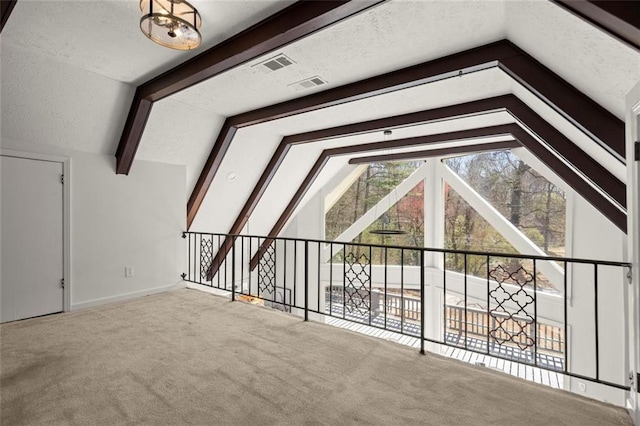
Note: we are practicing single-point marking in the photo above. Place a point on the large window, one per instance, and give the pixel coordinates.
(530, 202)
(372, 186)
(391, 196)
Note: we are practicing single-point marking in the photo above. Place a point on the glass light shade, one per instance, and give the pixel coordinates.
(171, 23)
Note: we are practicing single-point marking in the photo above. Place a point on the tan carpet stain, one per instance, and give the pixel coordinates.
(187, 357)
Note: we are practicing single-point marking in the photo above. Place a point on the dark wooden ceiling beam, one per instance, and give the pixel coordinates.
(437, 152)
(621, 19)
(569, 102)
(573, 154)
(297, 21)
(597, 122)
(542, 152)
(469, 108)
(574, 179)
(213, 163)
(422, 117)
(329, 153)
(349, 150)
(408, 77)
(589, 168)
(523, 138)
(6, 7)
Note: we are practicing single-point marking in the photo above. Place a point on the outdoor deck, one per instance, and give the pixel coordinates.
(514, 367)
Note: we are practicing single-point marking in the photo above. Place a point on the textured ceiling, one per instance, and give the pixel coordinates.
(391, 36)
(590, 59)
(253, 146)
(53, 103)
(104, 37)
(94, 54)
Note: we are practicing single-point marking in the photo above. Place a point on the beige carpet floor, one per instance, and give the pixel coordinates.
(187, 357)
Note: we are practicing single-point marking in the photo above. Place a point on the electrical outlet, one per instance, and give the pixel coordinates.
(582, 386)
(128, 271)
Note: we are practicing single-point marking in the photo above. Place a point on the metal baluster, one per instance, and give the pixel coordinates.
(566, 346)
(385, 288)
(344, 280)
(259, 254)
(193, 265)
(444, 297)
(242, 264)
(422, 303)
(189, 262)
(284, 280)
(330, 278)
(249, 265)
(401, 290)
(595, 283)
(195, 260)
(319, 279)
(275, 267)
(200, 269)
(535, 315)
(370, 279)
(226, 263)
(488, 303)
(465, 301)
(306, 280)
(295, 271)
(233, 270)
(218, 265)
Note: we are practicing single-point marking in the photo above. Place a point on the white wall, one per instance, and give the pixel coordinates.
(595, 237)
(126, 220)
(50, 107)
(308, 223)
(119, 220)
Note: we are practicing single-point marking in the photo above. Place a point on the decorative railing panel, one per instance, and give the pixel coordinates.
(512, 324)
(206, 256)
(357, 284)
(267, 271)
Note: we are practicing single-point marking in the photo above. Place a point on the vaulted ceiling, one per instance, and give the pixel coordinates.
(74, 67)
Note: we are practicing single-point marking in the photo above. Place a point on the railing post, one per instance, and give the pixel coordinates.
(422, 310)
(465, 302)
(233, 270)
(535, 314)
(189, 260)
(306, 280)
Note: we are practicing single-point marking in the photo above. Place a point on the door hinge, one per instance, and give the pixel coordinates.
(636, 150)
(62, 283)
(629, 276)
(62, 179)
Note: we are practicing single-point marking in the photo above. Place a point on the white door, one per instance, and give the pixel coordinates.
(32, 238)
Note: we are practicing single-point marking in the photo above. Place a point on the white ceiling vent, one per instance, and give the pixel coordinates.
(308, 83)
(274, 63)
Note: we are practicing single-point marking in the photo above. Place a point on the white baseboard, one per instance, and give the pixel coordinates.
(126, 296)
(207, 289)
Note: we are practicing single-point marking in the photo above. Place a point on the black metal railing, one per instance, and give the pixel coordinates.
(511, 310)
(478, 323)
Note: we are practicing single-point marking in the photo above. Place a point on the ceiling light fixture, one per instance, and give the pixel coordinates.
(171, 23)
